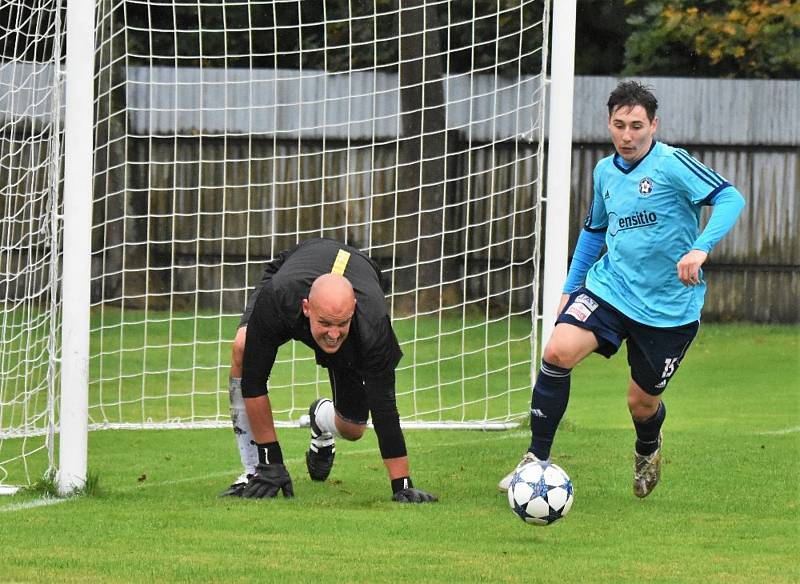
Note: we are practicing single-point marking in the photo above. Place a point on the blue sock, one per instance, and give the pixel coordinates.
(647, 432)
(548, 404)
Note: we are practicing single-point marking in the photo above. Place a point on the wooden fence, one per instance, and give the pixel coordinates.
(746, 131)
(174, 219)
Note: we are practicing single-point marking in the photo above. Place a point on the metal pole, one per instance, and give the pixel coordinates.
(78, 141)
(559, 160)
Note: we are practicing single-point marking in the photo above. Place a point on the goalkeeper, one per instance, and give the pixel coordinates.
(647, 289)
(327, 295)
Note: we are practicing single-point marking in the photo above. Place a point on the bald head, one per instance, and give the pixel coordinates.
(330, 307)
(334, 290)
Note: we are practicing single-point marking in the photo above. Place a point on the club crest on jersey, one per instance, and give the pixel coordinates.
(646, 186)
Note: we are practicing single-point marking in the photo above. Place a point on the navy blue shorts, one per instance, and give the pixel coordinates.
(654, 353)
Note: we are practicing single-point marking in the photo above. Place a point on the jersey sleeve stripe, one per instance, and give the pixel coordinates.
(709, 200)
(595, 229)
(587, 223)
(340, 263)
(702, 172)
(690, 161)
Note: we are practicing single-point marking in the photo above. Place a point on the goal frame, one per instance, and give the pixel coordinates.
(73, 426)
(78, 143)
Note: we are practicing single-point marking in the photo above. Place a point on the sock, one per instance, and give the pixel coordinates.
(647, 432)
(248, 453)
(270, 453)
(548, 404)
(401, 483)
(325, 420)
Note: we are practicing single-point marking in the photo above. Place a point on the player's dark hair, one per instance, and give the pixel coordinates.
(630, 94)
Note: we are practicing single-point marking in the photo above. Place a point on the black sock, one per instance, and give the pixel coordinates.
(401, 483)
(647, 432)
(548, 404)
(270, 453)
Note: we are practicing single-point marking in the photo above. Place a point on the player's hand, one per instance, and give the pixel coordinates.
(267, 480)
(689, 267)
(412, 495)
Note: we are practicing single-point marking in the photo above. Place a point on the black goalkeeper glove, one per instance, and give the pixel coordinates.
(413, 495)
(404, 492)
(267, 480)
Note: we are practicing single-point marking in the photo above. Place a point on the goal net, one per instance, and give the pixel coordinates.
(226, 132)
(30, 154)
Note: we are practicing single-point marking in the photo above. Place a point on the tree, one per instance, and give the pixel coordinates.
(715, 38)
(601, 29)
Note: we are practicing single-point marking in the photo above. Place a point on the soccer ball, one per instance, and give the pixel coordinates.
(540, 493)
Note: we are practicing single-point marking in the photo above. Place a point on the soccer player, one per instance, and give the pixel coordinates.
(647, 288)
(327, 295)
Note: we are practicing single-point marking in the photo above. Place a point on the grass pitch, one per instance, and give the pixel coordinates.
(726, 510)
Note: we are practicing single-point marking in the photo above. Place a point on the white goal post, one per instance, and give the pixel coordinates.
(150, 170)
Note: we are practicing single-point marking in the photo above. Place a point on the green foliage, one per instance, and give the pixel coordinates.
(92, 486)
(45, 486)
(727, 510)
(720, 38)
(601, 29)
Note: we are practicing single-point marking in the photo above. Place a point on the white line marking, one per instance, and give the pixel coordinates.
(485, 437)
(32, 504)
(791, 430)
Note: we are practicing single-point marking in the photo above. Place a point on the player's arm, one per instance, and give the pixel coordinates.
(380, 391)
(260, 349)
(705, 187)
(728, 205)
(587, 250)
(589, 245)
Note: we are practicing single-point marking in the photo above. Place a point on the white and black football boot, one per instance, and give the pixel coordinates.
(322, 449)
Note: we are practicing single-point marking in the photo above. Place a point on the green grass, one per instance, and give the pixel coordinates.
(163, 360)
(173, 367)
(726, 511)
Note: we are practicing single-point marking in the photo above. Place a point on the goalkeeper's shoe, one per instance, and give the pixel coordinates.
(322, 449)
(647, 471)
(236, 488)
(505, 482)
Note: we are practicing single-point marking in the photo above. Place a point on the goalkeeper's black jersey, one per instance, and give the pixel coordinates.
(370, 349)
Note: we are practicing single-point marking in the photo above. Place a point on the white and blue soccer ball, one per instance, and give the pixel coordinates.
(540, 493)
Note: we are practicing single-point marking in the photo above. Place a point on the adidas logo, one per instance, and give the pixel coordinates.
(538, 413)
(662, 384)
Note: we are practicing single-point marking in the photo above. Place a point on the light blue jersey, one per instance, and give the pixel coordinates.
(650, 212)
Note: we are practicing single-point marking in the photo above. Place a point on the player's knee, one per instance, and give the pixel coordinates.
(641, 412)
(560, 355)
(641, 405)
(349, 430)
